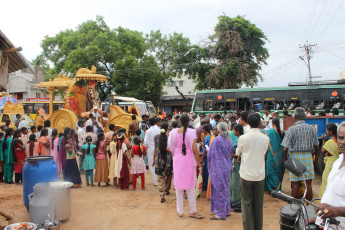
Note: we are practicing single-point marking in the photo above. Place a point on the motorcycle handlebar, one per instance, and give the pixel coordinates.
(283, 197)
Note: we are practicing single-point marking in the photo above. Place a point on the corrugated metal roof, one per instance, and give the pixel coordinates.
(16, 60)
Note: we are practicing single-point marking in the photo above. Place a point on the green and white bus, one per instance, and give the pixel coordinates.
(321, 95)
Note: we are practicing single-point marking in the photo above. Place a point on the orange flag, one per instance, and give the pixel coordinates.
(163, 114)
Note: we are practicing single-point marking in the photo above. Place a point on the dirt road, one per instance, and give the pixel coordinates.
(108, 208)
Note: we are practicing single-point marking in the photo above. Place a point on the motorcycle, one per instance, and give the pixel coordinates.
(294, 215)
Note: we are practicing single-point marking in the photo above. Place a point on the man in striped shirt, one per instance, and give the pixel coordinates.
(300, 140)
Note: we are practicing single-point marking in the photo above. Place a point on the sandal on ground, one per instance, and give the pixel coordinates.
(163, 199)
(179, 215)
(215, 217)
(196, 216)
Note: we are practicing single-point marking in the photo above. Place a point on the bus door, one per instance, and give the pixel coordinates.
(243, 101)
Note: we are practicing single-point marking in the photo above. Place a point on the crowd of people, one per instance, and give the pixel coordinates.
(231, 157)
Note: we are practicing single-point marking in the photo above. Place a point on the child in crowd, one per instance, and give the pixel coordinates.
(112, 151)
(138, 164)
(75, 137)
(137, 134)
(43, 145)
(71, 170)
(25, 136)
(206, 129)
(38, 133)
(19, 150)
(89, 162)
(32, 130)
(102, 168)
(54, 144)
(31, 146)
(121, 162)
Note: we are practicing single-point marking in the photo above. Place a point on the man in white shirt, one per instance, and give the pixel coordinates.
(89, 122)
(267, 115)
(334, 197)
(96, 114)
(243, 121)
(81, 134)
(23, 123)
(150, 146)
(251, 151)
(96, 126)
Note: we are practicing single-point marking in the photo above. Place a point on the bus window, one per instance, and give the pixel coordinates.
(198, 105)
(5, 117)
(219, 106)
(269, 105)
(257, 105)
(57, 107)
(294, 104)
(208, 105)
(230, 105)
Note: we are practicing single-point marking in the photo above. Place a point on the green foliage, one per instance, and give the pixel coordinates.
(234, 57)
(94, 43)
(139, 65)
(170, 52)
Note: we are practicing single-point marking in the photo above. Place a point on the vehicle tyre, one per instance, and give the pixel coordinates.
(319, 164)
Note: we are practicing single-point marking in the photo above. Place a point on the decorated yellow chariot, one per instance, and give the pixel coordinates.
(80, 98)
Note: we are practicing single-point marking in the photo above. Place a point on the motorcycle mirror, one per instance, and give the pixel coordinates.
(295, 167)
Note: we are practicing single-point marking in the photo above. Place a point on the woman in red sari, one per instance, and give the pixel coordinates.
(19, 151)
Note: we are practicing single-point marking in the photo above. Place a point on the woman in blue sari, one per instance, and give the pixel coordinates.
(275, 158)
(207, 132)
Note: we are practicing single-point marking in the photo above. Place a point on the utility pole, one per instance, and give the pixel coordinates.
(307, 47)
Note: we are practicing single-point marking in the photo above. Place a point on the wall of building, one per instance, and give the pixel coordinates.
(185, 85)
(23, 84)
(172, 101)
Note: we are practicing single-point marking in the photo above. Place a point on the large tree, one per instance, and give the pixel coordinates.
(117, 53)
(233, 56)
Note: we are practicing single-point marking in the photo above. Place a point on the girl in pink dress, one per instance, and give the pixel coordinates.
(54, 144)
(182, 143)
(102, 167)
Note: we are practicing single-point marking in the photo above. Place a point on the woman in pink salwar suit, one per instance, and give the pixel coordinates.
(182, 143)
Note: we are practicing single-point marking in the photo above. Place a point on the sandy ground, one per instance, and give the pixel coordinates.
(108, 208)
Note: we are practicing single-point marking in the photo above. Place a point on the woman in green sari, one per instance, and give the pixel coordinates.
(275, 158)
(331, 151)
(7, 156)
(235, 195)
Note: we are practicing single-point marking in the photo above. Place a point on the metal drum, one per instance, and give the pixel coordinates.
(62, 197)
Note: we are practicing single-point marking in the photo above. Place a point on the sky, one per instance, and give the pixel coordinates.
(286, 24)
